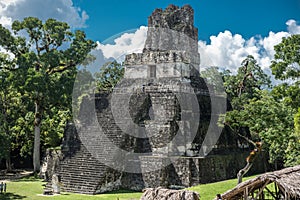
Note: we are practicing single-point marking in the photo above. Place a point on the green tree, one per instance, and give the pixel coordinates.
(83, 87)
(268, 120)
(286, 63)
(297, 122)
(21, 133)
(46, 62)
(246, 84)
(286, 66)
(269, 115)
(288, 93)
(214, 76)
(10, 106)
(243, 88)
(293, 156)
(110, 74)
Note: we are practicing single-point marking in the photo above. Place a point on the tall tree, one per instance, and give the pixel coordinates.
(9, 107)
(242, 88)
(214, 76)
(244, 85)
(46, 60)
(286, 63)
(110, 74)
(286, 66)
(268, 120)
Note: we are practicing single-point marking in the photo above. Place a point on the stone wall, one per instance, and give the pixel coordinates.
(50, 163)
(191, 171)
(80, 168)
(152, 129)
(171, 46)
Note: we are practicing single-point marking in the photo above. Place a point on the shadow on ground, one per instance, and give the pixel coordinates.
(9, 196)
(28, 178)
(122, 192)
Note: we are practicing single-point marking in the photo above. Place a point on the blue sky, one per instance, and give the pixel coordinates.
(229, 30)
(248, 18)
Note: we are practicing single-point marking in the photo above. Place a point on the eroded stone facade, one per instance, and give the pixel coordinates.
(160, 114)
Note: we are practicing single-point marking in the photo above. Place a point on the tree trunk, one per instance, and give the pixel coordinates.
(250, 159)
(8, 160)
(8, 163)
(37, 138)
(243, 171)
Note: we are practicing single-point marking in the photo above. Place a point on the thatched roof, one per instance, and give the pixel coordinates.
(288, 181)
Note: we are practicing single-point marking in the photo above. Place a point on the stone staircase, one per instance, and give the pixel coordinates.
(82, 169)
(81, 173)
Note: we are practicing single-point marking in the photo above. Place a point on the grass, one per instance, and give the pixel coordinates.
(209, 191)
(32, 188)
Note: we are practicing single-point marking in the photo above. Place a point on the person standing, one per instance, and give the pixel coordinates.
(1, 187)
(4, 188)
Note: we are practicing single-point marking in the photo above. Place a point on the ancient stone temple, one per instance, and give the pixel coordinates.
(159, 125)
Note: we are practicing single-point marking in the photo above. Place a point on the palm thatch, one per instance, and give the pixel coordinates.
(286, 181)
(160, 193)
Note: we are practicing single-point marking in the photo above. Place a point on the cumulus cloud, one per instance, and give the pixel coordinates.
(116, 47)
(98, 62)
(293, 28)
(267, 47)
(228, 50)
(125, 44)
(5, 21)
(62, 10)
(225, 50)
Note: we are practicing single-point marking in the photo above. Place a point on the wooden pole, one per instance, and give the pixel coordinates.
(271, 193)
(261, 190)
(276, 191)
(246, 193)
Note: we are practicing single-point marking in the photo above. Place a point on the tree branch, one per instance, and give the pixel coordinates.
(244, 137)
(60, 68)
(8, 68)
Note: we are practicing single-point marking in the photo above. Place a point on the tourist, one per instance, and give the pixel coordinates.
(4, 188)
(1, 187)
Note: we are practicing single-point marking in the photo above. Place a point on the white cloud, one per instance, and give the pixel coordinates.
(62, 10)
(5, 21)
(125, 44)
(293, 28)
(273, 39)
(224, 50)
(227, 50)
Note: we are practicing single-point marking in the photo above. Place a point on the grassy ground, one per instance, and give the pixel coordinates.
(31, 189)
(209, 191)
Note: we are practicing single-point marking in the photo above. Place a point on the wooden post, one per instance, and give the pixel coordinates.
(276, 191)
(285, 196)
(272, 194)
(261, 190)
(246, 193)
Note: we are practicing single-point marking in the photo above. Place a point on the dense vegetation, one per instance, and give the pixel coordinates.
(37, 70)
(38, 63)
(270, 112)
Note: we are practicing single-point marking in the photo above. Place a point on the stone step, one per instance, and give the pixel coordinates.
(81, 173)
